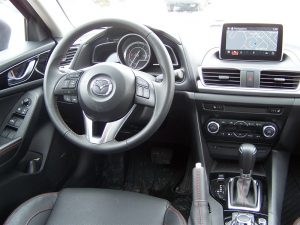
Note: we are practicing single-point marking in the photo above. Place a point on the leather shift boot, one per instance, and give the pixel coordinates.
(243, 192)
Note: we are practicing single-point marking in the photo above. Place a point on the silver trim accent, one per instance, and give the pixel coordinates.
(110, 131)
(269, 126)
(213, 122)
(259, 196)
(136, 35)
(172, 50)
(25, 76)
(262, 221)
(211, 61)
(239, 221)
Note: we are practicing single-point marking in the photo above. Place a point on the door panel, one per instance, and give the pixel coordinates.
(25, 67)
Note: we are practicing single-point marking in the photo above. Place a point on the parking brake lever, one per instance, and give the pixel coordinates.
(199, 212)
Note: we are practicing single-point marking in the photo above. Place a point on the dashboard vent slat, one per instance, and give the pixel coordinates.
(66, 61)
(279, 79)
(221, 77)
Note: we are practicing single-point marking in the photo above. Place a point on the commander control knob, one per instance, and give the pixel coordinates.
(269, 131)
(243, 219)
(213, 127)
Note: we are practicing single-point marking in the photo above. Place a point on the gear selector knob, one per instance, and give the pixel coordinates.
(247, 155)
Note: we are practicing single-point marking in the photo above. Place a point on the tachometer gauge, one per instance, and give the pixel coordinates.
(134, 51)
(137, 55)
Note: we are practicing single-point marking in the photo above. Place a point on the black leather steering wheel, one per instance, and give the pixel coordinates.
(108, 92)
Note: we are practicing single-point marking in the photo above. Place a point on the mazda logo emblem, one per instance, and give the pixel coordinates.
(101, 87)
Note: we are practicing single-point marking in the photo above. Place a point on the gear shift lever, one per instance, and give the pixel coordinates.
(243, 191)
(247, 155)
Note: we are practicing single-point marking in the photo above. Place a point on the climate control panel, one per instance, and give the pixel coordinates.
(241, 129)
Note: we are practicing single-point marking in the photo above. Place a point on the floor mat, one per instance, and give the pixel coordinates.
(291, 204)
(158, 171)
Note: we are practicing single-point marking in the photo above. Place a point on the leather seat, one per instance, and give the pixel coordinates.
(297, 222)
(95, 207)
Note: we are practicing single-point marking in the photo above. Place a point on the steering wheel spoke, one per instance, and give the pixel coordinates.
(145, 89)
(109, 130)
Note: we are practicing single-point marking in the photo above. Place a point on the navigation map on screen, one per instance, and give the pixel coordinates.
(247, 41)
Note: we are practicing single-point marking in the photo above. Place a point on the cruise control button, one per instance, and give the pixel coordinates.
(74, 99)
(66, 84)
(146, 93)
(139, 91)
(67, 98)
(142, 82)
(72, 84)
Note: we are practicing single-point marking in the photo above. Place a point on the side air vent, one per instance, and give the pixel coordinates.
(279, 79)
(221, 77)
(66, 61)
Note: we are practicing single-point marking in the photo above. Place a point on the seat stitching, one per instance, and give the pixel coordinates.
(181, 219)
(37, 213)
(25, 203)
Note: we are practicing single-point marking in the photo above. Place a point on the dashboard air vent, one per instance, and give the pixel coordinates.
(221, 77)
(279, 79)
(66, 61)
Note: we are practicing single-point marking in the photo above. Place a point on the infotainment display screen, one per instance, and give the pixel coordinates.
(247, 41)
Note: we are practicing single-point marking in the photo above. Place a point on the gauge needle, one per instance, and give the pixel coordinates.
(136, 55)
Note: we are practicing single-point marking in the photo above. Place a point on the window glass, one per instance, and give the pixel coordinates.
(12, 30)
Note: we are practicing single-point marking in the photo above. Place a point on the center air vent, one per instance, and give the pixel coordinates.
(66, 61)
(221, 77)
(279, 79)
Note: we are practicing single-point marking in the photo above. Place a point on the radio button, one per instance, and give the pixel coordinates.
(241, 123)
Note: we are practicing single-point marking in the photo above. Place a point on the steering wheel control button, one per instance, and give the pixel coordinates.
(74, 99)
(146, 93)
(142, 88)
(72, 84)
(74, 75)
(101, 87)
(65, 84)
(140, 91)
(67, 98)
(142, 82)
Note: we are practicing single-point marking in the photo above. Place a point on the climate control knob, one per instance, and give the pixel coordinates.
(213, 127)
(269, 131)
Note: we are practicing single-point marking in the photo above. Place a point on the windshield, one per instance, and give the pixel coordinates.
(160, 11)
(184, 14)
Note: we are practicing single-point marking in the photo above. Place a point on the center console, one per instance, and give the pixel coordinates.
(246, 109)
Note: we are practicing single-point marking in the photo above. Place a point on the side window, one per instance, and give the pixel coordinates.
(12, 28)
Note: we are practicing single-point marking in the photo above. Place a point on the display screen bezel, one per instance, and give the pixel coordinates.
(276, 57)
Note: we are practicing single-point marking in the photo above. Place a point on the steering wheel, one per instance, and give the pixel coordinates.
(109, 92)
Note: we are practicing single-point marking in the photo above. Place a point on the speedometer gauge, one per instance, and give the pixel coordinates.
(137, 55)
(134, 51)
